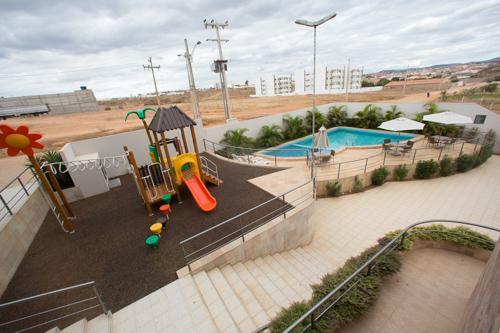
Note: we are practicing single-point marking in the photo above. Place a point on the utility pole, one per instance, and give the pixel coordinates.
(220, 65)
(152, 68)
(406, 77)
(194, 96)
(347, 79)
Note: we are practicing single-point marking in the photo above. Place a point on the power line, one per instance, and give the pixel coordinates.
(152, 68)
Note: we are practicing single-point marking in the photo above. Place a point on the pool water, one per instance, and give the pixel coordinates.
(338, 137)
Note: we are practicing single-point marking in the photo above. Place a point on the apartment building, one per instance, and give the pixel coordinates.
(274, 84)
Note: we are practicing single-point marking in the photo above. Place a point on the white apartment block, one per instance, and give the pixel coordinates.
(274, 84)
(328, 80)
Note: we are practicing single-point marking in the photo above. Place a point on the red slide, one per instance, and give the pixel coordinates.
(199, 191)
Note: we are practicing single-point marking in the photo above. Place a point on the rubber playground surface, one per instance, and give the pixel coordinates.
(109, 248)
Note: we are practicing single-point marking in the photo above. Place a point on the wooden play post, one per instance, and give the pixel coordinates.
(133, 163)
(195, 145)
(184, 140)
(60, 192)
(158, 150)
(66, 223)
(147, 132)
(171, 169)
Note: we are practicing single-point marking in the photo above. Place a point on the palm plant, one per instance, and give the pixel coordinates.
(52, 156)
(293, 127)
(269, 136)
(237, 138)
(393, 113)
(370, 116)
(141, 114)
(337, 116)
(319, 120)
(430, 128)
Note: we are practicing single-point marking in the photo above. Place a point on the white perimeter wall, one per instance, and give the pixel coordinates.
(410, 109)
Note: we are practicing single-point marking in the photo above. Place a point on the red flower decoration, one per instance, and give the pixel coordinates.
(19, 139)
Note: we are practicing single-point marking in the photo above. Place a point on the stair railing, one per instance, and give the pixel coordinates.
(89, 303)
(210, 168)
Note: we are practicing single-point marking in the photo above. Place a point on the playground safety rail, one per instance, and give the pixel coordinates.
(12, 194)
(308, 320)
(91, 301)
(203, 243)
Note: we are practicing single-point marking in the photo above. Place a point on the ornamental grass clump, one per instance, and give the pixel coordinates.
(379, 176)
(426, 169)
(334, 189)
(400, 172)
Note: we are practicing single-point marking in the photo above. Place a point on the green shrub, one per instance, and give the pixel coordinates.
(288, 315)
(379, 175)
(401, 172)
(447, 166)
(269, 136)
(461, 236)
(107, 108)
(485, 153)
(465, 162)
(426, 169)
(358, 185)
(334, 189)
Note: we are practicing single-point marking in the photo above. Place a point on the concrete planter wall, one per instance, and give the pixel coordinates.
(479, 254)
(18, 233)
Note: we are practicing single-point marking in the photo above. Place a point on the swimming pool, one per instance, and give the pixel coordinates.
(338, 137)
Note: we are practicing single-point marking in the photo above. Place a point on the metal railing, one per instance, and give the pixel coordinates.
(337, 170)
(12, 194)
(210, 168)
(88, 302)
(213, 238)
(310, 317)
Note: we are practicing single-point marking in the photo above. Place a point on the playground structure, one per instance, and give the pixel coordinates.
(171, 168)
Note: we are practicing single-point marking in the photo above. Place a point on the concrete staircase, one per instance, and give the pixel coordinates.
(234, 298)
(100, 324)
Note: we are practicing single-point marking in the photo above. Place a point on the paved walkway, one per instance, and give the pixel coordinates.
(429, 294)
(244, 296)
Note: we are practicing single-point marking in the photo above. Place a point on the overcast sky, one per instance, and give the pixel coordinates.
(49, 46)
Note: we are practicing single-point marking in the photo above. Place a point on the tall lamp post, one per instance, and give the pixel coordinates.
(194, 96)
(315, 24)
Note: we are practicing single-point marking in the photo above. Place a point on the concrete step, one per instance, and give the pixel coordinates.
(274, 272)
(214, 303)
(247, 298)
(265, 300)
(269, 286)
(78, 327)
(300, 266)
(292, 277)
(100, 324)
(237, 310)
(202, 321)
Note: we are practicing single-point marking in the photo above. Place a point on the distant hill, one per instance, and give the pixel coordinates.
(387, 71)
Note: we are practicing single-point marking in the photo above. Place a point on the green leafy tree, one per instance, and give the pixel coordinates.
(319, 120)
(269, 136)
(382, 82)
(393, 113)
(337, 116)
(370, 116)
(366, 83)
(293, 127)
(237, 138)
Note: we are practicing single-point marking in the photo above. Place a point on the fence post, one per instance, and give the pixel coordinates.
(414, 155)
(284, 213)
(440, 152)
(366, 164)
(338, 173)
(312, 320)
(401, 243)
(213, 147)
(241, 229)
(103, 307)
(461, 149)
(475, 146)
(205, 144)
(22, 185)
(275, 160)
(5, 204)
(385, 154)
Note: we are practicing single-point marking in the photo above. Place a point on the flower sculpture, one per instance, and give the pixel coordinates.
(20, 139)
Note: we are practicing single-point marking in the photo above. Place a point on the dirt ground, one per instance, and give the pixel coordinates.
(58, 130)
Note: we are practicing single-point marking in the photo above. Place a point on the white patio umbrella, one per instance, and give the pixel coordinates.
(448, 118)
(401, 124)
(321, 139)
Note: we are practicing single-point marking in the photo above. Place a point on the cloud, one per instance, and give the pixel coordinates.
(55, 45)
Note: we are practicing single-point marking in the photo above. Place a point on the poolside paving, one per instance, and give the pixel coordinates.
(244, 296)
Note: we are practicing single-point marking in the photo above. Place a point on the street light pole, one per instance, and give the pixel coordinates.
(314, 24)
(192, 87)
